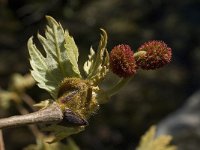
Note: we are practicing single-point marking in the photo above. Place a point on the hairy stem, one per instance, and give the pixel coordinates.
(51, 114)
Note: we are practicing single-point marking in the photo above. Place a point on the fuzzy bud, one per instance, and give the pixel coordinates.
(122, 61)
(157, 54)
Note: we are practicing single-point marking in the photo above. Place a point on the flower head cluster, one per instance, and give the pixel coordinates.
(150, 55)
(157, 55)
(122, 61)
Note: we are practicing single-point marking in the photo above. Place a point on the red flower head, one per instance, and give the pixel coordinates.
(122, 61)
(157, 55)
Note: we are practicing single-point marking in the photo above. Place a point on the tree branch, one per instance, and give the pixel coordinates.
(2, 147)
(51, 114)
(34, 129)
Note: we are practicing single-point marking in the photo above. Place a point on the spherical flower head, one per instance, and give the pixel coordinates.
(122, 61)
(157, 55)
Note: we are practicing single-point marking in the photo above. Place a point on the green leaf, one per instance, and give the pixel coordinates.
(71, 145)
(150, 142)
(60, 61)
(43, 104)
(88, 64)
(96, 67)
(41, 144)
(20, 83)
(62, 132)
(6, 97)
(102, 70)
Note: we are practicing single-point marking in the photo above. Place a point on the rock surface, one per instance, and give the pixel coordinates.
(184, 124)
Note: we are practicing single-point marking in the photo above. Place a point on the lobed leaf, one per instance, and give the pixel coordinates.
(96, 67)
(103, 69)
(20, 83)
(62, 132)
(60, 60)
(88, 64)
(149, 142)
(41, 144)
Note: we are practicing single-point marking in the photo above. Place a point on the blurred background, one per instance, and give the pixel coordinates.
(167, 97)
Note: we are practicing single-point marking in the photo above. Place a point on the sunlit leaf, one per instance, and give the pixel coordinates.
(21, 83)
(62, 132)
(60, 60)
(150, 142)
(71, 145)
(41, 144)
(43, 104)
(6, 97)
(96, 66)
(88, 64)
(103, 70)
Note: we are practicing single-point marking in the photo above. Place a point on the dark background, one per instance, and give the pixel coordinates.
(150, 96)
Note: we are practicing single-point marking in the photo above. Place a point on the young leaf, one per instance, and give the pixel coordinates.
(150, 142)
(88, 64)
(60, 61)
(96, 66)
(62, 132)
(41, 144)
(102, 71)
